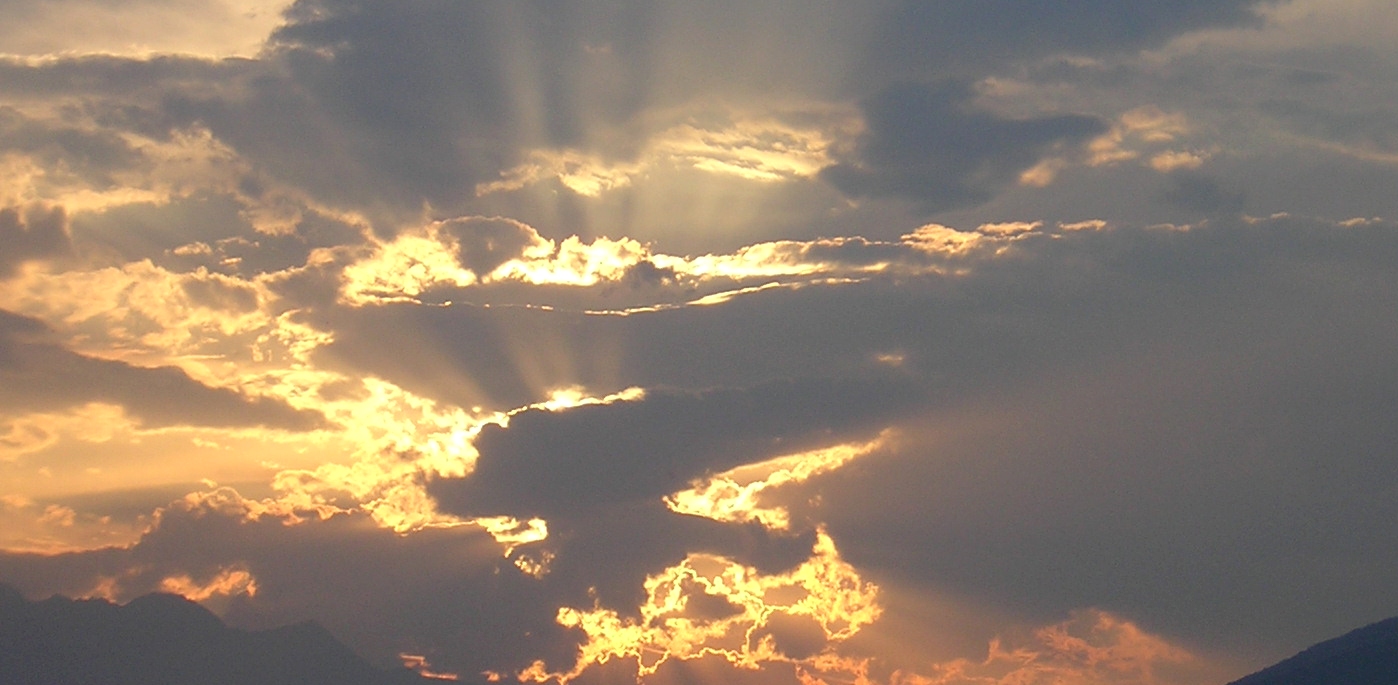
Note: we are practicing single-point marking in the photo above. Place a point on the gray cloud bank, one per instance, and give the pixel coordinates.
(1179, 424)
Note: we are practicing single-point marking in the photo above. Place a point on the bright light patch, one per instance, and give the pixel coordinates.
(1088, 225)
(582, 173)
(763, 150)
(511, 531)
(235, 580)
(735, 495)
(1135, 132)
(939, 239)
(573, 262)
(418, 663)
(1009, 228)
(1173, 160)
(403, 269)
(576, 396)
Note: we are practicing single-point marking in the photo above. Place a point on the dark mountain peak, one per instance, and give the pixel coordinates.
(1366, 656)
(10, 597)
(166, 639)
(161, 610)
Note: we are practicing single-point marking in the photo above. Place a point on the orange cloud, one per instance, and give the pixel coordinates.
(235, 580)
(1092, 647)
(735, 495)
(709, 605)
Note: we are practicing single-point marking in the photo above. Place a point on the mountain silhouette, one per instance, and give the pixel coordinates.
(1367, 656)
(163, 639)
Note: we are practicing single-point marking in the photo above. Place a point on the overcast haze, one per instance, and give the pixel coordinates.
(768, 342)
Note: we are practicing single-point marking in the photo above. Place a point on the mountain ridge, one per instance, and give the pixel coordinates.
(1364, 656)
(165, 639)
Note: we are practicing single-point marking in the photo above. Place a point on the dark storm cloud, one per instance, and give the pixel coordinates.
(41, 375)
(32, 233)
(930, 144)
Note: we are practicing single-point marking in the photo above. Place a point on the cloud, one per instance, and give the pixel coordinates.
(1213, 323)
(202, 537)
(87, 155)
(41, 375)
(1242, 392)
(1200, 193)
(484, 244)
(32, 233)
(219, 28)
(915, 39)
(570, 313)
(425, 101)
(1049, 455)
(930, 145)
(1092, 647)
(567, 463)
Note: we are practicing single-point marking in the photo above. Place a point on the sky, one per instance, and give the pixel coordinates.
(895, 342)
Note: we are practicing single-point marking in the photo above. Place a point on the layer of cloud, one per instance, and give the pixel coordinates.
(41, 375)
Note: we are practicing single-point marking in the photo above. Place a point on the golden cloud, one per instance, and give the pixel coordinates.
(710, 605)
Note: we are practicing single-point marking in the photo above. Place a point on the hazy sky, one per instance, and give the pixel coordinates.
(955, 342)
